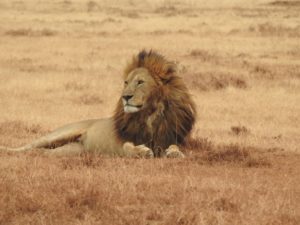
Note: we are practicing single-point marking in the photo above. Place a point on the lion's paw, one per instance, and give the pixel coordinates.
(145, 151)
(174, 152)
(140, 151)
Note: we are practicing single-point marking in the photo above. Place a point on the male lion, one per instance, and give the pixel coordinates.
(153, 116)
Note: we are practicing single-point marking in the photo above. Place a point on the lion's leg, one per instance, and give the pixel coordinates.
(66, 150)
(140, 151)
(174, 152)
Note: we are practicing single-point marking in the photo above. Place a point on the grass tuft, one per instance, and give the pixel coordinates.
(30, 32)
(240, 130)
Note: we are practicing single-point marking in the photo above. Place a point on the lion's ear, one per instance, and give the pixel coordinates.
(171, 69)
(169, 72)
(141, 57)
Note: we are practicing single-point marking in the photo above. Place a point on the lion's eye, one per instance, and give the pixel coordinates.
(126, 82)
(140, 82)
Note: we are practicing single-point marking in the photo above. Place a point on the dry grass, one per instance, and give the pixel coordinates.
(218, 189)
(240, 130)
(62, 62)
(215, 81)
(205, 152)
(286, 3)
(30, 32)
(273, 30)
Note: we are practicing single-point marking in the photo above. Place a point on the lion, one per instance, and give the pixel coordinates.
(154, 116)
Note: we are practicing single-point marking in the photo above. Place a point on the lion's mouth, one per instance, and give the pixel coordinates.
(132, 108)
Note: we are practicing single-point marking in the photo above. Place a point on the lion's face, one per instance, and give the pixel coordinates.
(137, 89)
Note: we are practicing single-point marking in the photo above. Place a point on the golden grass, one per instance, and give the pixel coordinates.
(62, 61)
(90, 189)
(30, 32)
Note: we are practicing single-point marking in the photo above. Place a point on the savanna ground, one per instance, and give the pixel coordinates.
(62, 61)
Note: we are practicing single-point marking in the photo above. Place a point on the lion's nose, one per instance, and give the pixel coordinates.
(127, 97)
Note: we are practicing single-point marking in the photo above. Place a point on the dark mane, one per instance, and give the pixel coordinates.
(170, 108)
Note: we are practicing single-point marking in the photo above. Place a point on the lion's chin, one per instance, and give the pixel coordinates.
(131, 109)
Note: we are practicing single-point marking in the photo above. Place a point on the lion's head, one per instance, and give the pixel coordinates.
(138, 86)
(155, 108)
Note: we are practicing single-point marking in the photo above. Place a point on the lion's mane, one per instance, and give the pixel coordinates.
(170, 108)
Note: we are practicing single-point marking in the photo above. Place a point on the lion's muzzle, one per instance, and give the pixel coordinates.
(129, 108)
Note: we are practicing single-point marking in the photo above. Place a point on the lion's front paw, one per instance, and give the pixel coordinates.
(174, 152)
(145, 151)
(140, 151)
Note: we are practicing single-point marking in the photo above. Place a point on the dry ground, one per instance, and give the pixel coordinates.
(61, 61)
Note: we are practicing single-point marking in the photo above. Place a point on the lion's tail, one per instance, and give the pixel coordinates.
(2, 148)
(20, 149)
